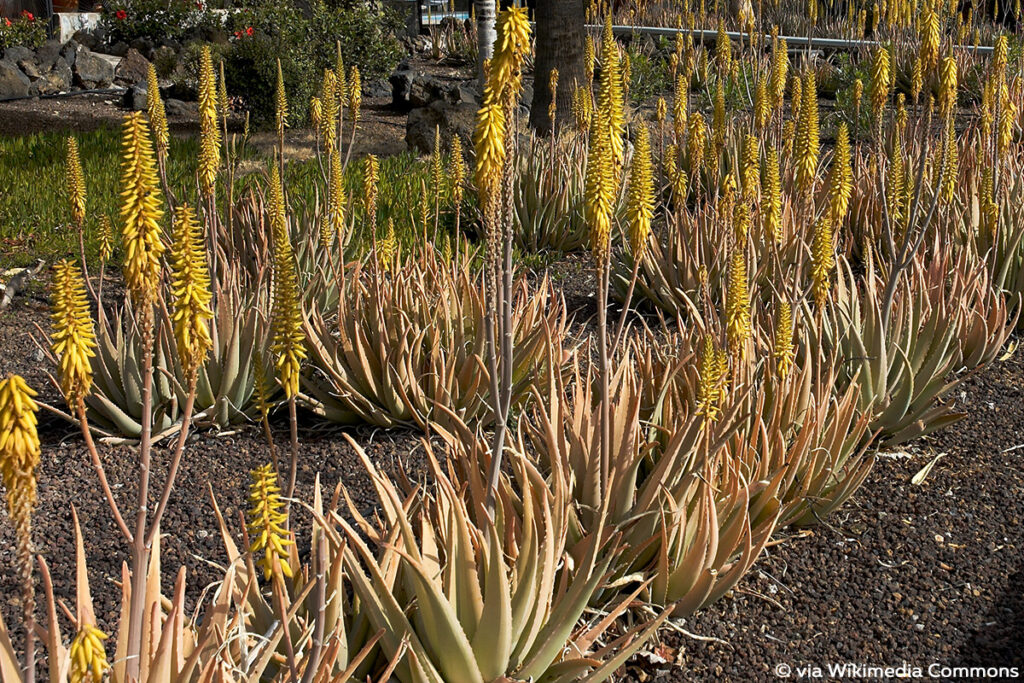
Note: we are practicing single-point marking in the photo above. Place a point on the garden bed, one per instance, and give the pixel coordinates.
(918, 574)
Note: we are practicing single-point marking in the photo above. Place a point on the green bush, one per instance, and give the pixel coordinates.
(306, 44)
(26, 31)
(180, 20)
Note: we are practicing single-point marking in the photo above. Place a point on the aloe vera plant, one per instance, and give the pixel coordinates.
(405, 343)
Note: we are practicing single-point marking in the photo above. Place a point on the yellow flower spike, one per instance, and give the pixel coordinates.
(280, 102)
(930, 36)
(355, 94)
(795, 97)
(316, 111)
(772, 189)
(640, 201)
(710, 377)
(783, 351)
(106, 239)
(371, 178)
(287, 337)
(457, 170)
(73, 338)
(894, 185)
(780, 74)
(840, 177)
(807, 137)
(718, 116)
(489, 142)
(679, 108)
(141, 212)
(553, 94)
(951, 162)
(19, 444)
(209, 132)
(334, 226)
(155, 112)
(88, 656)
(668, 162)
(723, 49)
(947, 87)
(437, 166)
(762, 106)
(76, 183)
(582, 109)
(661, 111)
(751, 171)
(737, 301)
(881, 78)
(695, 142)
(916, 81)
(329, 111)
(858, 95)
(610, 96)
(388, 247)
(599, 191)
(190, 290)
(223, 104)
(823, 261)
(267, 522)
(511, 46)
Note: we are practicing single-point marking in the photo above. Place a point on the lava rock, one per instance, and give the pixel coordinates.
(180, 108)
(47, 55)
(133, 68)
(451, 119)
(86, 38)
(28, 66)
(13, 83)
(92, 70)
(376, 88)
(135, 97)
(70, 52)
(118, 49)
(143, 46)
(57, 79)
(17, 53)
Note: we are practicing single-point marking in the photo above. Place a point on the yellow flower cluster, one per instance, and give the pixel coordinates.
(190, 290)
(640, 202)
(76, 183)
(267, 524)
(840, 178)
(141, 212)
(823, 260)
(280, 102)
(88, 656)
(209, 132)
(784, 351)
(288, 339)
(737, 301)
(73, 338)
(156, 113)
(19, 443)
(807, 136)
(334, 226)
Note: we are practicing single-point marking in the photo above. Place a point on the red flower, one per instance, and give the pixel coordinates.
(249, 31)
(121, 15)
(7, 21)
(238, 34)
(28, 15)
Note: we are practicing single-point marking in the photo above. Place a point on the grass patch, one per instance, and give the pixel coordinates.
(35, 219)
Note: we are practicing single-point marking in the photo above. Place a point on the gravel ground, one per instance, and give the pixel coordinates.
(922, 575)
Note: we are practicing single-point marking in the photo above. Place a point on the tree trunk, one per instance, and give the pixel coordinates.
(560, 40)
(485, 35)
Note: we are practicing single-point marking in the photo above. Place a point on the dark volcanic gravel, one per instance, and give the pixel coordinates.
(922, 575)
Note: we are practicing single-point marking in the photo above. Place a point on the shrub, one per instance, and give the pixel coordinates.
(128, 20)
(25, 31)
(262, 34)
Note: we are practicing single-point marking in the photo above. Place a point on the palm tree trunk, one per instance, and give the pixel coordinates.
(485, 34)
(560, 39)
